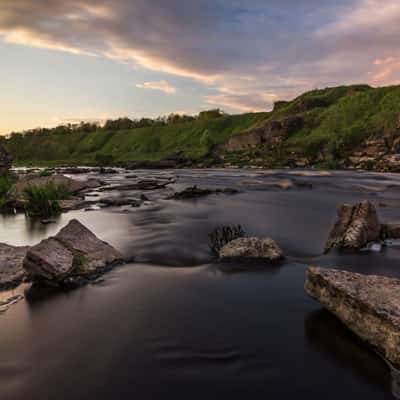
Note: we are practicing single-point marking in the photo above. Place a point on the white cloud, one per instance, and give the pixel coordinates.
(163, 86)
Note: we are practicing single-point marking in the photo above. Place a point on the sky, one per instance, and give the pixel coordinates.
(67, 61)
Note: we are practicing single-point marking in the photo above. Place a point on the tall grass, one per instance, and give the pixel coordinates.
(44, 200)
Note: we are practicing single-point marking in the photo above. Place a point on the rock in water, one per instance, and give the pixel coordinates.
(75, 253)
(249, 249)
(5, 160)
(357, 225)
(367, 305)
(11, 270)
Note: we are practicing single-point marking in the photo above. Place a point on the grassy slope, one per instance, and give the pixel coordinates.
(193, 138)
(349, 115)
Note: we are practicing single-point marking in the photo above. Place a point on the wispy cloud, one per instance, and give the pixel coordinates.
(162, 86)
(248, 55)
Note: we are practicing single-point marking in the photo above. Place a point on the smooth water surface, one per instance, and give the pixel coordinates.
(176, 325)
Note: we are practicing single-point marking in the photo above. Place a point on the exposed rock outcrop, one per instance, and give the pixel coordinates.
(11, 269)
(74, 255)
(251, 249)
(5, 160)
(271, 135)
(356, 225)
(367, 305)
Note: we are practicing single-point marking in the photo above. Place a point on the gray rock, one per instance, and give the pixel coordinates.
(251, 249)
(367, 305)
(11, 270)
(74, 253)
(73, 186)
(356, 225)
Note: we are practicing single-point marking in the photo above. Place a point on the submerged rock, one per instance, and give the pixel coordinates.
(251, 249)
(119, 202)
(11, 270)
(367, 305)
(195, 192)
(73, 255)
(356, 225)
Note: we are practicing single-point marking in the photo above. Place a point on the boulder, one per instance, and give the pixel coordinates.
(356, 225)
(11, 271)
(75, 253)
(368, 305)
(251, 249)
(5, 160)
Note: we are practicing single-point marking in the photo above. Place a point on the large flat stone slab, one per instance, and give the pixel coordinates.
(368, 305)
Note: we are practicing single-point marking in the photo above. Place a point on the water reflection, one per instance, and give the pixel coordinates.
(329, 336)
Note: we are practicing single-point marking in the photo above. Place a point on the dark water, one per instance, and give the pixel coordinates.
(176, 326)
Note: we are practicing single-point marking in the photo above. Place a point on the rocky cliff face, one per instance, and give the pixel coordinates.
(367, 305)
(5, 160)
(270, 136)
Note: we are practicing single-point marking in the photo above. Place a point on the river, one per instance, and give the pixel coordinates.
(176, 325)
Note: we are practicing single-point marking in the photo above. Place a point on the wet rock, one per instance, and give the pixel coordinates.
(356, 225)
(195, 192)
(5, 160)
(144, 184)
(367, 305)
(251, 249)
(107, 171)
(48, 221)
(73, 204)
(119, 202)
(73, 186)
(73, 170)
(390, 231)
(11, 269)
(74, 254)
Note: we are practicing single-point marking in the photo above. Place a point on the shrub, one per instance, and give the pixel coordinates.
(219, 237)
(6, 181)
(43, 201)
(45, 172)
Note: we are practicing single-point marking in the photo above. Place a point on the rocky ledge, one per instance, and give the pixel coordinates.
(70, 258)
(367, 305)
(251, 249)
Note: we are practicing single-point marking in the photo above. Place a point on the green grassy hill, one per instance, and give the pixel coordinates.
(334, 123)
